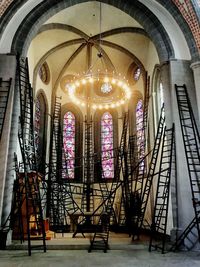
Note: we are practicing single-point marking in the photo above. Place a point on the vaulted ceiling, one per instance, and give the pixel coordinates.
(72, 40)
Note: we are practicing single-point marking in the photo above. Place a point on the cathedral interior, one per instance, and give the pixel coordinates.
(99, 122)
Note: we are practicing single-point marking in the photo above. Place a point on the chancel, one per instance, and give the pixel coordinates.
(99, 124)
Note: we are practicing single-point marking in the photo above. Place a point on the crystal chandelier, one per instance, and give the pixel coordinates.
(106, 82)
(103, 81)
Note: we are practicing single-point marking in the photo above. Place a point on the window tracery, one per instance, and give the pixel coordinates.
(107, 145)
(69, 143)
(140, 131)
(37, 123)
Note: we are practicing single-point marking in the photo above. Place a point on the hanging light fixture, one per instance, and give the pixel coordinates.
(102, 79)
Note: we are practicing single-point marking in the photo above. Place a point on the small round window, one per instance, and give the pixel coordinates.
(106, 88)
(44, 73)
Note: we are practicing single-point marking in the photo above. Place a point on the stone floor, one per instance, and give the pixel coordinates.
(72, 252)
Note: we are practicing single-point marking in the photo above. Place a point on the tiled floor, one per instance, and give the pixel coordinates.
(68, 252)
(137, 257)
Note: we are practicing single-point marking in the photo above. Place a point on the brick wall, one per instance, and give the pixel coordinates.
(187, 11)
(4, 5)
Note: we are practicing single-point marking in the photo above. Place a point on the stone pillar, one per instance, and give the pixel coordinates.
(9, 141)
(165, 80)
(196, 72)
(181, 73)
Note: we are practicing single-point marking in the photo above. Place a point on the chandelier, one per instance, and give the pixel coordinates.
(79, 88)
(107, 83)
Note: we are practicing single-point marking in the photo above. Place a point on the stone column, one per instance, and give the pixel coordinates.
(181, 73)
(9, 142)
(165, 80)
(196, 72)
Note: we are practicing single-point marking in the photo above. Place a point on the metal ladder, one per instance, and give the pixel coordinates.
(87, 202)
(191, 140)
(148, 182)
(120, 153)
(160, 214)
(189, 238)
(30, 176)
(55, 205)
(138, 176)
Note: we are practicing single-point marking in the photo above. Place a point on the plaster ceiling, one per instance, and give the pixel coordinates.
(63, 41)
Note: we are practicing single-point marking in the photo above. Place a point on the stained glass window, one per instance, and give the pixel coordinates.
(136, 74)
(44, 73)
(69, 142)
(161, 95)
(140, 131)
(107, 145)
(37, 123)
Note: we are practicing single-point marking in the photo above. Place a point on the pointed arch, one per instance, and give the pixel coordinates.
(107, 143)
(77, 125)
(40, 125)
(140, 129)
(69, 142)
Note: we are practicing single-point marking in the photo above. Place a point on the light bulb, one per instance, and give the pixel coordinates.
(94, 106)
(91, 80)
(106, 79)
(83, 81)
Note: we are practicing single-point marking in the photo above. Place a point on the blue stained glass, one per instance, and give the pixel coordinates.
(140, 131)
(69, 142)
(107, 145)
(37, 123)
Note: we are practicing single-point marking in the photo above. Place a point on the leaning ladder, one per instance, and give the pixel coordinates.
(191, 142)
(150, 175)
(87, 202)
(27, 146)
(118, 167)
(160, 214)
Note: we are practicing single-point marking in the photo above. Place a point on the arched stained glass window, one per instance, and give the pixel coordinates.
(69, 142)
(37, 124)
(39, 132)
(107, 145)
(136, 74)
(140, 131)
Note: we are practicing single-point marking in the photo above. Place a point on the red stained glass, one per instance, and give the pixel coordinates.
(37, 123)
(107, 145)
(140, 131)
(69, 142)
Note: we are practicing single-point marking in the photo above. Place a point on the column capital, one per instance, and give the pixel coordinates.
(195, 65)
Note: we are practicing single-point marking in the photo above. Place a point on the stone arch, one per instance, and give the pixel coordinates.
(32, 22)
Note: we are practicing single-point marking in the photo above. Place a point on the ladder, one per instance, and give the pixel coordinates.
(138, 221)
(120, 153)
(56, 210)
(191, 142)
(109, 198)
(189, 238)
(15, 219)
(101, 235)
(122, 147)
(140, 171)
(87, 202)
(160, 213)
(4, 95)
(29, 177)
